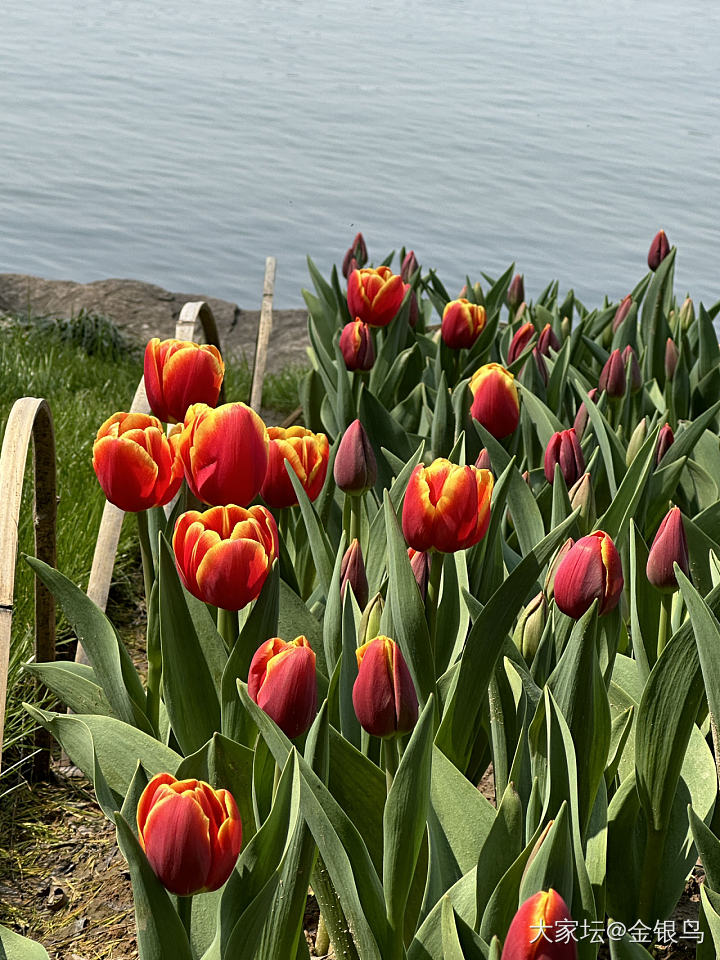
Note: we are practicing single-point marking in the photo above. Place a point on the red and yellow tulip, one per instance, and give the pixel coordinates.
(375, 295)
(308, 454)
(283, 682)
(590, 570)
(383, 695)
(533, 934)
(462, 323)
(495, 400)
(179, 373)
(356, 345)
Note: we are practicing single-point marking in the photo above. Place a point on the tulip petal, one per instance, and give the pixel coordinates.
(177, 843)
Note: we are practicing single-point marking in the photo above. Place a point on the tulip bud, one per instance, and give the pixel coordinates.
(516, 293)
(581, 417)
(355, 468)
(637, 439)
(178, 373)
(669, 546)
(495, 400)
(356, 345)
(548, 338)
(622, 311)
(282, 682)
(561, 553)
(590, 570)
(370, 621)
(375, 295)
(659, 249)
(687, 314)
(630, 360)
(564, 449)
(420, 563)
(352, 571)
(356, 256)
(671, 358)
(665, 440)
(582, 495)
(409, 266)
(525, 939)
(520, 341)
(530, 626)
(612, 375)
(384, 697)
(541, 365)
(565, 327)
(483, 460)
(462, 323)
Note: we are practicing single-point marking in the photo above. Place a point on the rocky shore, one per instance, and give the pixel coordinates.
(144, 310)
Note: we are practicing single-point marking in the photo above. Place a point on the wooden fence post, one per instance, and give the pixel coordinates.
(263, 335)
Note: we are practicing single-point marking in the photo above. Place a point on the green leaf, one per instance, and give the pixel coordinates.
(686, 439)
(74, 684)
(322, 552)
(626, 949)
(604, 435)
(552, 865)
(707, 636)
(501, 847)
(546, 423)
(15, 947)
(617, 517)
(708, 847)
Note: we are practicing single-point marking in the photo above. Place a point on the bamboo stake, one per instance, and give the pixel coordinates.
(263, 335)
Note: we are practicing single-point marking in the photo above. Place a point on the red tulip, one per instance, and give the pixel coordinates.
(564, 448)
(659, 249)
(612, 375)
(446, 507)
(581, 417)
(282, 681)
(548, 338)
(383, 695)
(190, 832)
(356, 346)
(375, 295)
(590, 570)
(420, 563)
(308, 454)
(630, 360)
(352, 572)
(622, 311)
(179, 373)
(666, 438)
(669, 546)
(224, 452)
(495, 400)
(224, 555)
(137, 466)
(520, 341)
(355, 467)
(533, 934)
(409, 266)
(515, 294)
(356, 256)
(462, 323)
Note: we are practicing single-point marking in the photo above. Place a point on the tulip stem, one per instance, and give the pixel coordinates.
(433, 594)
(185, 912)
(355, 518)
(664, 628)
(227, 626)
(145, 553)
(390, 760)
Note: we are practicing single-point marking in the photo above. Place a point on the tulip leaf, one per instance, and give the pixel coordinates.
(644, 606)
(322, 552)
(707, 637)
(546, 423)
(15, 947)
(452, 948)
(503, 902)
(501, 846)
(348, 672)
(616, 518)
(74, 684)
(626, 949)
(332, 620)
(686, 439)
(708, 847)
(427, 943)
(710, 901)
(604, 434)
(653, 325)
(442, 434)
(552, 865)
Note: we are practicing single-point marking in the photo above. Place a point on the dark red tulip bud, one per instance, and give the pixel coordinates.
(590, 570)
(548, 338)
(420, 563)
(383, 695)
(516, 293)
(545, 911)
(349, 264)
(581, 417)
(630, 358)
(564, 449)
(358, 253)
(356, 346)
(659, 249)
(520, 341)
(414, 310)
(541, 365)
(612, 375)
(622, 311)
(669, 546)
(409, 266)
(352, 571)
(355, 468)
(671, 358)
(665, 440)
(483, 460)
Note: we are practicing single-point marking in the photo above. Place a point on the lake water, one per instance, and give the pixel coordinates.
(183, 142)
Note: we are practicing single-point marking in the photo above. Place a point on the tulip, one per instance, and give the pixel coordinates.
(190, 832)
(483, 460)
(384, 697)
(520, 341)
(526, 940)
(356, 346)
(581, 495)
(548, 338)
(541, 365)
(179, 373)
(666, 438)
(224, 452)
(630, 360)
(446, 507)
(137, 466)
(352, 572)
(669, 546)
(355, 467)
(659, 249)
(671, 358)
(495, 400)
(590, 570)
(308, 454)
(622, 311)
(462, 323)
(612, 375)
(560, 554)
(282, 681)
(515, 294)
(637, 439)
(224, 555)
(530, 627)
(375, 295)
(409, 266)
(357, 255)
(564, 449)
(420, 563)
(581, 417)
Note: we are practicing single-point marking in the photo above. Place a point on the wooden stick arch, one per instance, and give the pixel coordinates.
(29, 418)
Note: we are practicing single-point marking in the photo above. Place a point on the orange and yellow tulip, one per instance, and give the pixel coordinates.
(179, 373)
(374, 295)
(282, 681)
(308, 454)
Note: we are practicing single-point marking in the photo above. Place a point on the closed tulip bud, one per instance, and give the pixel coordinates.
(612, 375)
(483, 460)
(446, 507)
(547, 339)
(462, 323)
(525, 940)
(581, 417)
(352, 571)
(659, 249)
(530, 626)
(178, 373)
(308, 454)
(671, 358)
(622, 311)
(541, 365)
(564, 449)
(516, 293)
(565, 327)
(582, 495)
(190, 832)
(224, 555)
(282, 681)
(495, 404)
(420, 563)
(637, 439)
(410, 266)
(589, 571)
(687, 314)
(355, 467)
(520, 341)
(356, 256)
(666, 438)
(670, 546)
(384, 697)
(356, 345)
(136, 464)
(375, 295)
(630, 360)
(370, 620)
(561, 553)
(224, 453)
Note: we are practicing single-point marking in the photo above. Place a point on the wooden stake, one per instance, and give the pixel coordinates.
(263, 335)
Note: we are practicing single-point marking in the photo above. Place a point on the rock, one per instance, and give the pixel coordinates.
(144, 310)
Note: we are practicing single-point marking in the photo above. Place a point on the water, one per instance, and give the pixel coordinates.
(181, 143)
